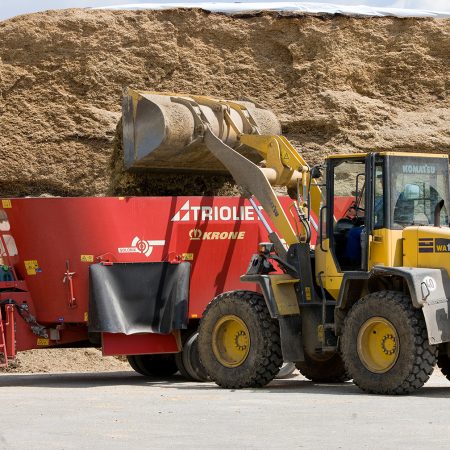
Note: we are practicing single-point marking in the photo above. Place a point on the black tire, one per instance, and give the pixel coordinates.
(443, 363)
(192, 361)
(323, 369)
(134, 365)
(410, 357)
(188, 360)
(180, 365)
(157, 366)
(262, 348)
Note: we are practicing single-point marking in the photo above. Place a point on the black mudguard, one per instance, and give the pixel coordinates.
(290, 326)
(135, 298)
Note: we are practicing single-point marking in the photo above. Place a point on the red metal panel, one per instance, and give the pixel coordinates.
(58, 238)
(24, 339)
(138, 344)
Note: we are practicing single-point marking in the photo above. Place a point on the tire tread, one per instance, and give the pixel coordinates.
(269, 365)
(424, 357)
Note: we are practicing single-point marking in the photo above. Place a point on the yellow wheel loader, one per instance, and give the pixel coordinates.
(369, 301)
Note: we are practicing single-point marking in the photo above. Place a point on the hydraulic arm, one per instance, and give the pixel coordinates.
(162, 130)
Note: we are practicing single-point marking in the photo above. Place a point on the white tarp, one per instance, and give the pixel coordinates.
(306, 7)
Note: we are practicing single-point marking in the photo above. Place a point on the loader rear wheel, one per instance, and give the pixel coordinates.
(162, 365)
(239, 343)
(443, 363)
(385, 346)
(188, 360)
(328, 368)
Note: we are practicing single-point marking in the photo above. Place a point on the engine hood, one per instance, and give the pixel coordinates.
(426, 247)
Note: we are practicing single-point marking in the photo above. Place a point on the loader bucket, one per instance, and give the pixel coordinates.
(165, 131)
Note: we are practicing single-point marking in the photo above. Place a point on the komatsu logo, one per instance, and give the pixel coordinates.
(437, 245)
(141, 246)
(214, 213)
(198, 235)
(442, 245)
(419, 169)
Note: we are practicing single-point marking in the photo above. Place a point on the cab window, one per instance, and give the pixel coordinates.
(418, 187)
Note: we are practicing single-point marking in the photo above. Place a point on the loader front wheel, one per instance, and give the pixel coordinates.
(239, 343)
(158, 366)
(385, 346)
(323, 368)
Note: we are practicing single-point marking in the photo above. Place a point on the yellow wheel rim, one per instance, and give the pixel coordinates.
(230, 341)
(378, 344)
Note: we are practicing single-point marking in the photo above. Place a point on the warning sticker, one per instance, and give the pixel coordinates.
(308, 293)
(32, 267)
(6, 204)
(87, 258)
(43, 342)
(187, 256)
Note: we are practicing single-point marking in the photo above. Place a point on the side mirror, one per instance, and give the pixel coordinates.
(412, 192)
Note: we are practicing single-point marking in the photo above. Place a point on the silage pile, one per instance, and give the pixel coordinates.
(338, 84)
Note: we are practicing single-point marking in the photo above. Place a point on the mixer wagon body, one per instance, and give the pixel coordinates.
(52, 246)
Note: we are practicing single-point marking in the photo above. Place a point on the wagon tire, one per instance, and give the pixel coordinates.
(156, 366)
(188, 360)
(134, 365)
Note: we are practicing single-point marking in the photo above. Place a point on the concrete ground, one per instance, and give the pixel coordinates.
(124, 410)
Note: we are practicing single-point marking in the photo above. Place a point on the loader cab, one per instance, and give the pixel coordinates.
(371, 198)
(348, 210)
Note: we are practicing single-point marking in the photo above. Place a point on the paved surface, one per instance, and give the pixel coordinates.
(124, 410)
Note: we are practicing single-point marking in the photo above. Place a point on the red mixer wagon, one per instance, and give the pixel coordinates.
(131, 275)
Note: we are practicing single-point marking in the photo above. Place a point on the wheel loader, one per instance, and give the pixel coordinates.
(368, 301)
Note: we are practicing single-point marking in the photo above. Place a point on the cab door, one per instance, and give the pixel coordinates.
(346, 220)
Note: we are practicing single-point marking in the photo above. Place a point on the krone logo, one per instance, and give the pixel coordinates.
(196, 235)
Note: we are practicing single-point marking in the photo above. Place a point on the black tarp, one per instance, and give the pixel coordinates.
(135, 298)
